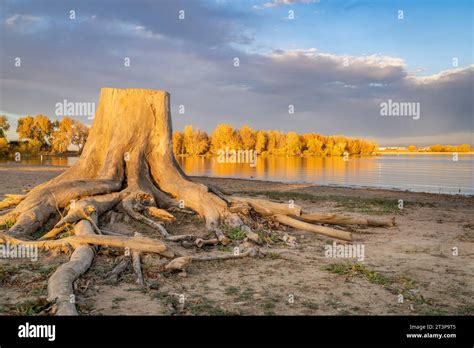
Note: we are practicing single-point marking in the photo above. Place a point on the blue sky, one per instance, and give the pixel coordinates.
(431, 33)
(301, 62)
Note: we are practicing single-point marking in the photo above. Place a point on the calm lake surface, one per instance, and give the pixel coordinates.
(423, 173)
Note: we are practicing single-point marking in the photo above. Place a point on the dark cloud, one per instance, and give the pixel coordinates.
(193, 59)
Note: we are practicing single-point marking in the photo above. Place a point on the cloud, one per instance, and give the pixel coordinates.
(331, 93)
(278, 3)
(19, 19)
(25, 23)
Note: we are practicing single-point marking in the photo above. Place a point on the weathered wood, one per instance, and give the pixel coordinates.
(11, 200)
(83, 208)
(180, 263)
(159, 214)
(143, 244)
(268, 208)
(121, 267)
(330, 232)
(127, 204)
(136, 263)
(54, 232)
(339, 219)
(60, 284)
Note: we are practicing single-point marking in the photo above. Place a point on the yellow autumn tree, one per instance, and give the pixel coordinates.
(178, 143)
(247, 137)
(36, 130)
(62, 135)
(293, 144)
(224, 137)
(80, 132)
(261, 142)
(4, 126)
(195, 142)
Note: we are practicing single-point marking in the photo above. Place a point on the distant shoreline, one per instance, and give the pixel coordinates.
(381, 153)
(377, 153)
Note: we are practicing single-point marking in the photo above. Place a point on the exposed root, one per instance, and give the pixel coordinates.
(221, 237)
(54, 232)
(339, 219)
(200, 243)
(122, 266)
(128, 205)
(60, 284)
(263, 207)
(85, 207)
(143, 244)
(330, 232)
(182, 211)
(159, 213)
(39, 205)
(181, 237)
(180, 263)
(11, 200)
(136, 263)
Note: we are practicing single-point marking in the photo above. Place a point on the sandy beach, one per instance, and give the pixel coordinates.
(428, 258)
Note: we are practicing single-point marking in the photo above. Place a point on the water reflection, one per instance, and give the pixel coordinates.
(426, 173)
(61, 161)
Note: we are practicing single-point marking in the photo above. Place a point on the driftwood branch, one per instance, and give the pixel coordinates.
(136, 263)
(180, 263)
(121, 267)
(60, 284)
(339, 219)
(143, 244)
(330, 232)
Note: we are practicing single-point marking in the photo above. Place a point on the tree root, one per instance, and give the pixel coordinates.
(123, 265)
(159, 214)
(60, 284)
(330, 232)
(55, 232)
(136, 263)
(128, 205)
(139, 243)
(40, 204)
(11, 200)
(180, 263)
(85, 207)
(339, 219)
(263, 207)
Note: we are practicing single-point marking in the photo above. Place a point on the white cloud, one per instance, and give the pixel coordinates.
(18, 19)
(442, 76)
(277, 3)
(330, 97)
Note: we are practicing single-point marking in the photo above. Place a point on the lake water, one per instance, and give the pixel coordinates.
(423, 173)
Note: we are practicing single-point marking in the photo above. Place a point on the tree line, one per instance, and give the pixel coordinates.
(267, 142)
(40, 134)
(442, 148)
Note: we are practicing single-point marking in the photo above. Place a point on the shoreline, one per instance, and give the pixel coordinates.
(415, 257)
(32, 168)
(356, 187)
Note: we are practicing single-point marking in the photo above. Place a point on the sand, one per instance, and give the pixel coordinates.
(428, 258)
